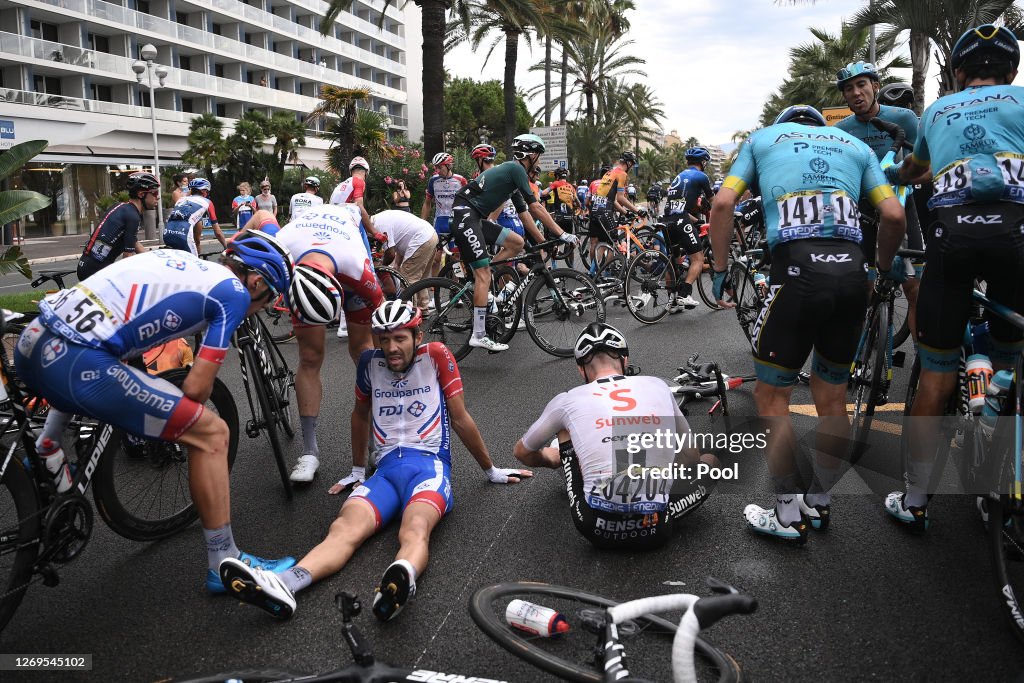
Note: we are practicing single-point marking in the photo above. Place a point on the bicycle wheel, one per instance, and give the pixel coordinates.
(19, 536)
(278, 322)
(900, 319)
(647, 642)
(867, 376)
(646, 282)
(747, 297)
(246, 676)
(267, 414)
(391, 281)
(141, 485)
(503, 321)
(447, 312)
(282, 382)
(559, 305)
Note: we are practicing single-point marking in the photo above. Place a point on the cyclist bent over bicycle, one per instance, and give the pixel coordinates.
(72, 355)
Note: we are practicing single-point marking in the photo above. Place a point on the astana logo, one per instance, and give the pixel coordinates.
(819, 165)
(974, 132)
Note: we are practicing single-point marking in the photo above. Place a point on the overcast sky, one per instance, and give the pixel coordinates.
(711, 64)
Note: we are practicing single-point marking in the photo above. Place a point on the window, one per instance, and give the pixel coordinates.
(142, 6)
(182, 18)
(99, 43)
(187, 105)
(218, 70)
(102, 93)
(46, 84)
(247, 38)
(41, 29)
(217, 29)
(185, 62)
(222, 110)
(142, 97)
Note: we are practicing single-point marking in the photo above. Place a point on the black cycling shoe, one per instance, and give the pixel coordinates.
(396, 587)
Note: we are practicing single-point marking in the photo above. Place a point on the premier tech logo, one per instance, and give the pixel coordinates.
(6, 130)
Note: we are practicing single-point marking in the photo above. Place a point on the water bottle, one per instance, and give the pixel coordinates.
(979, 375)
(535, 619)
(998, 388)
(761, 282)
(506, 291)
(56, 464)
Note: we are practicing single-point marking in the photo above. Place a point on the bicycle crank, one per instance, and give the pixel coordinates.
(66, 528)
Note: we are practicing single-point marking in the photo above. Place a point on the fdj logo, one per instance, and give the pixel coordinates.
(399, 383)
(417, 408)
(390, 411)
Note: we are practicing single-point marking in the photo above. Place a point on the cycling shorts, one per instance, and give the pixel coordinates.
(512, 223)
(81, 380)
(442, 225)
(681, 235)
(406, 475)
(474, 233)
(601, 226)
(565, 222)
(816, 301)
(975, 241)
(869, 230)
(180, 235)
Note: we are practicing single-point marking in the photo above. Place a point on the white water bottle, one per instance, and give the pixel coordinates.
(536, 619)
(56, 464)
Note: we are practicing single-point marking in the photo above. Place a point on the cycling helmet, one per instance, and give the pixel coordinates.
(854, 70)
(897, 95)
(599, 337)
(315, 295)
(312, 181)
(583, 181)
(264, 254)
(605, 168)
(395, 315)
(197, 184)
(485, 152)
(442, 158)
(801, 113)
(359, 162)
(987, 44)
(142, 181)
(528, 143)
(698, 153)
(628, 157)
(561, 173)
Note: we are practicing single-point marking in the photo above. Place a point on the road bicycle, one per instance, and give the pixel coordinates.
(630, 236)
(988, 461)
(364, 669)
(556, 306)
(611, 641)
(141, 487)
(698, 381)
(269, 388)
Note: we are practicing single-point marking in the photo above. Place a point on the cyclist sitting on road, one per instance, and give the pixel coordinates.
(73, 354)
(184, 227)
(474, 232)
(859, 84)
(613, 503)
(607, 196)
(309, 197)
(683, 220)
(816, 299)
(411, 245)
(440, 193)
(971, 144)
(411, 434)
(118, 232)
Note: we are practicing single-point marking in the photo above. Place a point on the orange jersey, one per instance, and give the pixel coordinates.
(613, 182)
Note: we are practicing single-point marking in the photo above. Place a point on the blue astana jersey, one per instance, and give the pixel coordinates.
(880, 142)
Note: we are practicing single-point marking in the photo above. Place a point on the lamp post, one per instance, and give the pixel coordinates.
(385, 120)
(145, 67)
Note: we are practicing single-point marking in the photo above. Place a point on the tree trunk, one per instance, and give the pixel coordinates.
(920, 58)
(565, 85)
(511, 55)
(433, 75)
(590, 107)
(547, 80)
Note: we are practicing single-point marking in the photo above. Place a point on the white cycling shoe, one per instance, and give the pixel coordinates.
(258, 587)
(688, 301)
(305, 468)
(487, 343)
(765, 521)
(396, 588)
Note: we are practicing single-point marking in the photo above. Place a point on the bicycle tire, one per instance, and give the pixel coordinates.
(502, 326)
(492, 623)
(747, 298)
(900, 319)
(269, 415)
(868, 367)
(448, 322)
(245, 676)
(398, 282)
(279, 324)
(282, 380)
(22, 515)
(646, 285)
(153, 456)
(575, 302)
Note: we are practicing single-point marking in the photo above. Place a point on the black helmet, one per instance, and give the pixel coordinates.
(628, 157)
(599, 337)
(561, 173)
(605, 168)
(987, 44)
(897, 95)
(142, 180)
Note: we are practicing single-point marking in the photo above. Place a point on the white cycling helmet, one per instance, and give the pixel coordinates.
(599, 337)
(359, 162)
(315, 295)
(396, 315)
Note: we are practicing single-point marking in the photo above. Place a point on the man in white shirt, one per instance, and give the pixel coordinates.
(411, 244)
(305, 199)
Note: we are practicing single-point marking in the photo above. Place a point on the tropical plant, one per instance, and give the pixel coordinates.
(654, 167)
(338, 106)
(401, 161)
(289, 135)
(206, 145)
(16, 204)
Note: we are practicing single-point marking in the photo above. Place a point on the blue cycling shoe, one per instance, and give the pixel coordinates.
(215, 586)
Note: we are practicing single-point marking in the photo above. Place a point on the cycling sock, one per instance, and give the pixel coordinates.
(787, 509)
(296, 578)
(309, 435)
(220, 545)
(479, 322)
(919, 473)
(684, 289)
(53, 428)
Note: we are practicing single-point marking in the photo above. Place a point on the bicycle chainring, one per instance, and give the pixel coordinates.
(66, 527)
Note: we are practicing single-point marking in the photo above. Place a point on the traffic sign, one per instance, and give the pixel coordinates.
(556, 151)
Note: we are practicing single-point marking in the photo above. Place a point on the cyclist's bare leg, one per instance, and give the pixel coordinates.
(831, 432)
(773, 404)
(355, 523)
(481, 286)
(512, 246)
(418, 521)
(207, 442)
(308, 387)
(696, 267)
(910, 289)
(360, 338)
(933, 392)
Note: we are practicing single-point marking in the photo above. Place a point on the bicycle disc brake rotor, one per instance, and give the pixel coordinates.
(593, 620)
(67, 527)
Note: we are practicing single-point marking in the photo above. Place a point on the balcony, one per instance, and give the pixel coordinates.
(352, 21)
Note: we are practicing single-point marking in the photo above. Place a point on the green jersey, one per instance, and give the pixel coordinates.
(490, 189)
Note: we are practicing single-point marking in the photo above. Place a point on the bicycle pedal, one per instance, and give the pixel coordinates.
(898, 358)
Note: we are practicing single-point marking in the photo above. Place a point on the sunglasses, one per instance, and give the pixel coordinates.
(264, 187)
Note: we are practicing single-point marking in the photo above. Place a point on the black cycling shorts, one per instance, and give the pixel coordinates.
(815, 302)
(602, 224)
(869, 229)
(682, 235)
(473, 233)
(976, 241)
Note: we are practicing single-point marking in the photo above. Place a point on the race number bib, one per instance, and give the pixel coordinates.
(78, 315)
(677, 206)
(623, 493)
(1012, 167)
(598, 202)
(806, 213)
(952, 185)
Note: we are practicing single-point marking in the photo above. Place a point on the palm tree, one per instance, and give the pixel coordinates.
(565, 22)
(645, 113)
(16, 204)
(654, 167)
(433, 33)
(289, 135)
(206, 145)
(340, 103)
(505, 20)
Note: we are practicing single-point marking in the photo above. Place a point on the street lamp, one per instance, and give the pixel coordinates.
(385, 120)
(142, 67)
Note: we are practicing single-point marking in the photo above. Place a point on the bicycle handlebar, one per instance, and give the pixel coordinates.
(897, 133)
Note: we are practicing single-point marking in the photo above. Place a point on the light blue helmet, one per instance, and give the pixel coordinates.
(197, 184)
(854, 70)
(265, 255)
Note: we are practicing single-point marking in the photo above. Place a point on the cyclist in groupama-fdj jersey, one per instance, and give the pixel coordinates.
(73, 354)
(971, 145)
(118, 232)
(813, 177)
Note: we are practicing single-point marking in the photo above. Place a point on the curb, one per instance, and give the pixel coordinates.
(74, 257)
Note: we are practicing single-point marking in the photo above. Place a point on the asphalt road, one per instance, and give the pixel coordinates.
(865, 601)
